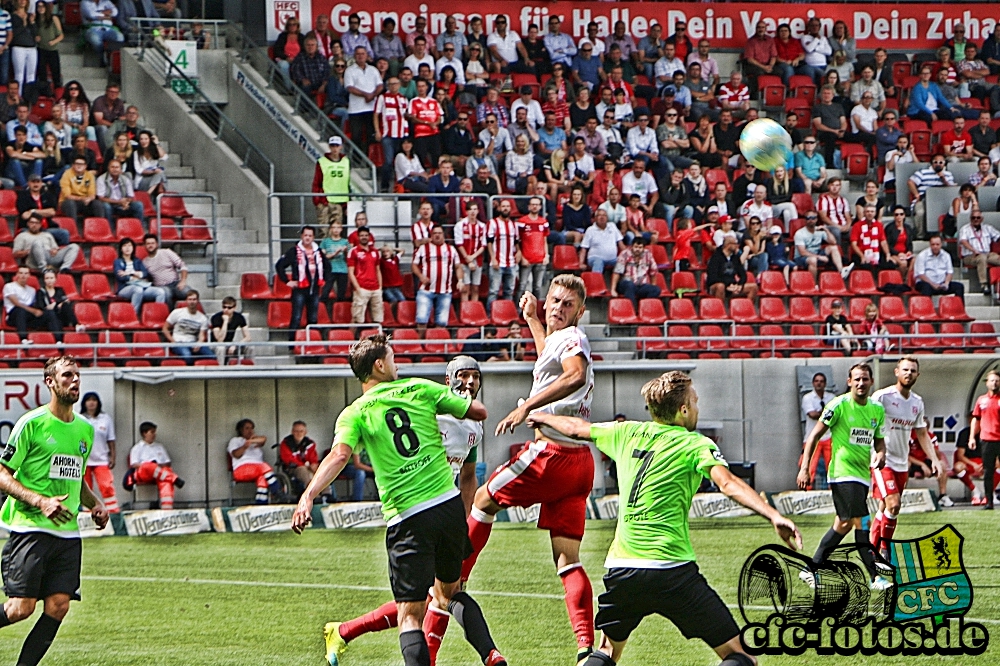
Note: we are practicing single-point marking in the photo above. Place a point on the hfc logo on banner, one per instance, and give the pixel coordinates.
(292, 9)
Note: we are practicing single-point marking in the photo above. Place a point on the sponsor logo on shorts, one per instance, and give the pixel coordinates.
(792, 605)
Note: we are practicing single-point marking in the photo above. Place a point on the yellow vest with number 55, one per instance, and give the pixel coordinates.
(336, 178)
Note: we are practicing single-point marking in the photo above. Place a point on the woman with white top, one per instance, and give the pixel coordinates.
(902, 154)
(410, 172)
(102, 453)
(150, 174)
(246, 454)
(133, 279)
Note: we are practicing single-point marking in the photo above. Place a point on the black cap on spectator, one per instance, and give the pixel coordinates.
(525, 90)
(479, 144)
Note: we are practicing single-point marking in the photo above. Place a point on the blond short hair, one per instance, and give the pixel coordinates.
(571, 282)
(666, 394)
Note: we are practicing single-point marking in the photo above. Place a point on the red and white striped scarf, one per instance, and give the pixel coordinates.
(301, 254)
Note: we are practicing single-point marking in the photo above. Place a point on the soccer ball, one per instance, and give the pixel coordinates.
(765, 144)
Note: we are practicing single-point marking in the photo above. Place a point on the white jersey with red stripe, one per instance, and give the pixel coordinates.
(421, 231)
(438, 263)
(392, 109)
(471, 235)
(459, 436)
(902, 415)
(559, 346)
(504, 234)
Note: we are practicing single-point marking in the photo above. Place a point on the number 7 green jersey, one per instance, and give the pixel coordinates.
(397, 424)
(660, 468)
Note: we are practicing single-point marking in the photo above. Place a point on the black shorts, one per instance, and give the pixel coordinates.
(850, 499)
(36, 565)
(432, 544)
(680, 594)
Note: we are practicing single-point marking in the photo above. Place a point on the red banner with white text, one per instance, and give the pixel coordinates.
(903, 26)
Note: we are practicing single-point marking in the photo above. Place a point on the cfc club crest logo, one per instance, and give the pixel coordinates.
(792, 604)
(284, 10)
(83, 447)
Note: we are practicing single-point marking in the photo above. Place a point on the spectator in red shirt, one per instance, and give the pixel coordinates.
(734, 95)
(759, 56)
(298, 455)
(365, 275)
(533, 230)
(868, 244)
(790, 53)
(957, 143)
(420, 231)
(392, 279)
(609, 177)
(986, 424)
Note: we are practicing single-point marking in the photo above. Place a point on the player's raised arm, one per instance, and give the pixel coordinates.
(736, 489)
(326, 473)
(814, 437)
(570, 426)
(477, 412)
(572, 379)
(529, 310)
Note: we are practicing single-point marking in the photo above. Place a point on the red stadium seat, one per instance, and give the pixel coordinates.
(341, 313)
(310, 335)
(254, 287)
(406, 314)
(122, 317)
(856, 309)
(102, 258)
(407, 341)
(8, 264)
(129, 227)
(650, 345)
(774, 331)
(148, 207)
(472, 313)
(891, 309)
(344, 337)
(68, 284)
(79, 345)
(661, 282)
(279, 314)
(801, 308)
(659, 227)
(172, 205)
(155, 314)
(920, 328)
(803, 284)
(889, 277)
(861, 282)
(43, 344)
(682, 309)
(742, 311)
(94, 287)
(713, 331)
(744, 337)
(772, 283)
(651, 311)
(97, 230)
(986, 338)
(660, 256)
(89, 315)
(952, 308)
(8, 203)
(831, 284)
(147, 338)
(443, 342)
(195, 229)
(773, 310)
(69, 224)
(502, 312)
(952, 335)
(773, 95)
(5, 236)
(594, 282)
(117, 338)
(680, 331)
(807, 335)
(713, 176)
(620, 312)
(921, 307)
(680, 281)
(712, 309)
(565, 259)
(803, 203)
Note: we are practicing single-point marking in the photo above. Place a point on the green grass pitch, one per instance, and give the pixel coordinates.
(262, 599)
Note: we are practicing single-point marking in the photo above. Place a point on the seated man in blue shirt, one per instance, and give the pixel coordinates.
(810, 167)
(550, 139)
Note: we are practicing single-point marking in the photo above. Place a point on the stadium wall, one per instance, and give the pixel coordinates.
(195, 141)
(197, 410)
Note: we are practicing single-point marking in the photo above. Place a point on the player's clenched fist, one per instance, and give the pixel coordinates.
(529, 306)
(303, 515)
(100, 516)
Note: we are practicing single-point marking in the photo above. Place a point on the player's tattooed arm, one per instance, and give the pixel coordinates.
(817, 433)
(91, 501)
(328, 470)
(736, 489)
(570, 426)
(51, 507)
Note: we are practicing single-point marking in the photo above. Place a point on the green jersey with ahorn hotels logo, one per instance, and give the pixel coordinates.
(853, 430)
(48, 456)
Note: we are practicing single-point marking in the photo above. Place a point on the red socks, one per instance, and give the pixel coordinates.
(435, 624)
(382, 618)
(579, 603)
(966, 479)
(480, 525)
(875, 531)
(888, 527)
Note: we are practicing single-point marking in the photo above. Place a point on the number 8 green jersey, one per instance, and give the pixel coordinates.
(397, 424)
(660, 468)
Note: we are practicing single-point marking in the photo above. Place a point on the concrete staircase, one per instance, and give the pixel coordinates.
(239, 249)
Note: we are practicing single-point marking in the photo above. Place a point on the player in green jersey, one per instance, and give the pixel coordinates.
(41, 471)
(856, 426)
(396, 421)
(651, 564)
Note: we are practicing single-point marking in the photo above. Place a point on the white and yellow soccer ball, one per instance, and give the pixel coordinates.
(765, 144)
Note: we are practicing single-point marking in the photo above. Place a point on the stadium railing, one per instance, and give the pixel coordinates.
(226, 130)
(193, 234)
(302, 104)
(179, 28)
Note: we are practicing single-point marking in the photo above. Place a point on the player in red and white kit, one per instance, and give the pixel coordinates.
(920, 465)
(554, 470)
(904, 413)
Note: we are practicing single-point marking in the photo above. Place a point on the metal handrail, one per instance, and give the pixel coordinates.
(147, 25)
(213, 228)
(253, 157)
(302, 104)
